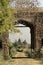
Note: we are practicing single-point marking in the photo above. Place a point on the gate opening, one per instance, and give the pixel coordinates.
(23, 42)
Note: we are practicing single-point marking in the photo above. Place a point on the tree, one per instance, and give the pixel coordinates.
(6, 16)
(7, 21)
(19, 41)
(26, 3)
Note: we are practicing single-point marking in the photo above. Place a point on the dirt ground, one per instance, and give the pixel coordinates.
(23, 61)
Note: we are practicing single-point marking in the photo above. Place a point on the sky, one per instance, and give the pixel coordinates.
(41, 3)
(24, 34)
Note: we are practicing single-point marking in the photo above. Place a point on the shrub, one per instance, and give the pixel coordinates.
(12, 52)
(19, 49)
(10, 45)
(27, 54)
(30, 54)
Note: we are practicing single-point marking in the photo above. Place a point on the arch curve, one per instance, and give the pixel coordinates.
(24, 22)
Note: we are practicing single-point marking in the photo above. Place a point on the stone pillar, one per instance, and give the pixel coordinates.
(38, 46)
(5, 45)
(5, 50)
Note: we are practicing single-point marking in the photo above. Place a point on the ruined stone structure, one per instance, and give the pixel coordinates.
(34, 20)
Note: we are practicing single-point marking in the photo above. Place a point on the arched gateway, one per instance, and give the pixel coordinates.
(32, 31)
(34, 20)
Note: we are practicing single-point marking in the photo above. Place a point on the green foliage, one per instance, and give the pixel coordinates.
(20, 49)
(7, 18)
(18, 45)
(12, 49)
(30, 54)
(10, 45)
(13, 52)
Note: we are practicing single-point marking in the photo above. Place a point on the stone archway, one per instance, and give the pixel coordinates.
(32, 28)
